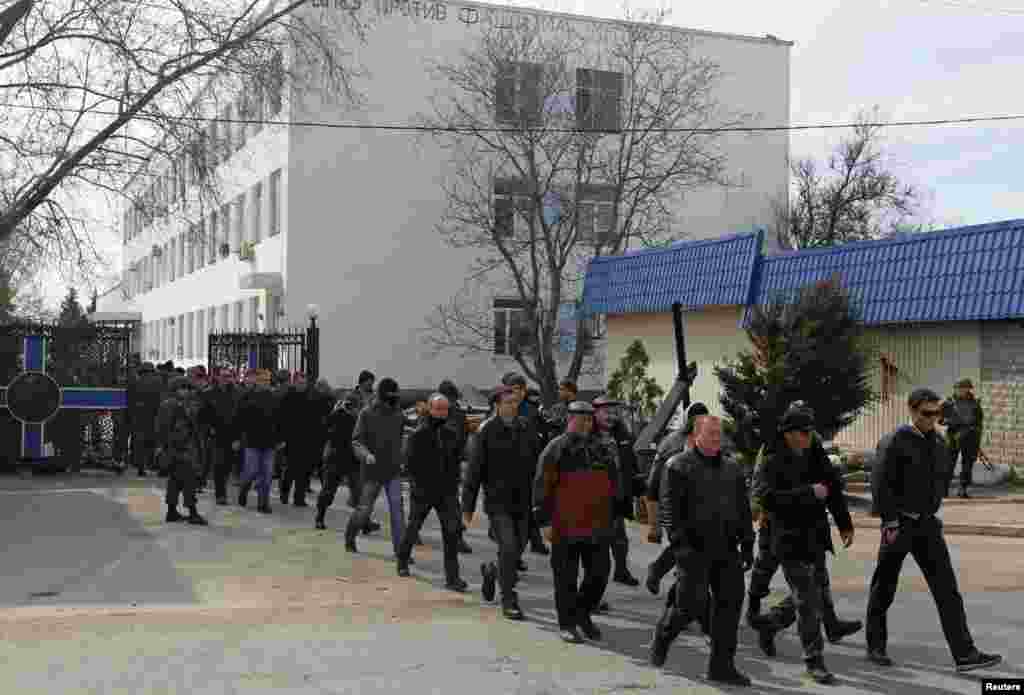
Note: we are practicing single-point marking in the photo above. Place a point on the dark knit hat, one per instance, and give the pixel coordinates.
(365, 376)
(387, 387)
(922, 395)
(964, 384)
(692, 413)
(797, 420)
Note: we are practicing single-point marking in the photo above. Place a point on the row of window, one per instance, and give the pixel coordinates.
(212, 238)
(260, 99)
(185, 336)
(520, 97)
(513, 328)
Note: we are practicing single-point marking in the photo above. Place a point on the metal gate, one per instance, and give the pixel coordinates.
(296, 351)
(62, 393)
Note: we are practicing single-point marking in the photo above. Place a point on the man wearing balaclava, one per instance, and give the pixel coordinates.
(798, 486)
(432, 452)
(705, 508)
(578, 492)
(784, 614)
(503, 462)
(377, 443)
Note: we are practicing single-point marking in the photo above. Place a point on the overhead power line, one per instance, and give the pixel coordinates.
(496, 129)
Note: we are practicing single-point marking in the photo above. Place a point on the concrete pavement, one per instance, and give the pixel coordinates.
(267, 604)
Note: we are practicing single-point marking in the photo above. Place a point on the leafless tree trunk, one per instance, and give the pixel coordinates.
(98, 94)
(552, 165)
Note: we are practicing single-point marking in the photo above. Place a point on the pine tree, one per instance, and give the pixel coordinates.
(631, 384)
(811, 350)
(71, 312)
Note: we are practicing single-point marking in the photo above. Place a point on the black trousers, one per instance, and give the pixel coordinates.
(966, 445)
(785, 613)
(222, 458)
(333, 476)
(511, 530)
(447, 508)
(620, 547)
(924, 541)
(703, 579)
(143, 448)
(662, 564)
(181, 478)
(575, 600)
(297, 471)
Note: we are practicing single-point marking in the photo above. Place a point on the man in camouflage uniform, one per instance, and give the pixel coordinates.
(178, 435)
(964, 419)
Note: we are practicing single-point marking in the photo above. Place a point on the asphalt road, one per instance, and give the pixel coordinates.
(89, 548)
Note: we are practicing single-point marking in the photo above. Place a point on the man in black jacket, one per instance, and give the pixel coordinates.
(457, 423)
(433, 463)
(908, 481)
(145, 394)
(339, 459)
(258, 428)
(797, 485)
(785, 613)
(503, 462)
(377, 443)
(616, 435)
(705, 508)
(538, 432)
(217, 415)
(965, 420)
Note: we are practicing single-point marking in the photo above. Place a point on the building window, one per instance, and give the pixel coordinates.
(518, 98)
(257, 212)
(182, 238)
(275, 203)
(598, 100)
(211, 238)
(239, 232)
(511, 326)
(190, 257)
(512, 202)
(275, 84)
(596, 207)
(224, 232)
(240, 316)
(199, 243)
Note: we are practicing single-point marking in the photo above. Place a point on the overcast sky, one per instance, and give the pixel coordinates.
(915, 60)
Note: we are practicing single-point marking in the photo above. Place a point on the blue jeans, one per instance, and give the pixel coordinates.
(371, 490)
(259, 466)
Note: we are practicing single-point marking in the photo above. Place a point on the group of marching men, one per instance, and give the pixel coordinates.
(567, 474)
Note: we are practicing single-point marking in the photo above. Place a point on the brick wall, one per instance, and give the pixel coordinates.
(1002, 390)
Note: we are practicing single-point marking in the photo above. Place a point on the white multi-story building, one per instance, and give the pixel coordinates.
(344, 219)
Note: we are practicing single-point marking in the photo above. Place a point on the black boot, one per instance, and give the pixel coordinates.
(243, 494)
(195, 519)
(510, 609)
(624, 576)
(350, 539)
(286, 488)
(818, 673)
(321, 512)
(464, 548)
(766, 639)
(835, 628)
(172, 515)
(263, 505)
(490, 579)
(753, 610)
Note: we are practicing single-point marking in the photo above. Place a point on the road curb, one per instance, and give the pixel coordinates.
(959, 529)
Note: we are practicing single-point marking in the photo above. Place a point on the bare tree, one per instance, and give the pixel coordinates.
(564, 147)
(96, 95)
(854, 198)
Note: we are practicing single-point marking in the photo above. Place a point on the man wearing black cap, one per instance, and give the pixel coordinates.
(964, 419)
(377, 442)
(797, 485)
(578, 492)
(705, 508)
(675, 443)
(457, 423)
(178, 434)
(785, 613)
(908, 482)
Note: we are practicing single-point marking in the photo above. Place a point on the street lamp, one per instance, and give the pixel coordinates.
(312, 345)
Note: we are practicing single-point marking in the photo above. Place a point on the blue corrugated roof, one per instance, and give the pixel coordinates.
(694, 274)
(962, 274)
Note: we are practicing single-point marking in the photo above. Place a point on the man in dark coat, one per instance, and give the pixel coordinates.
(432, 457)
(616, 435)
(377, 442)
(302, 412)
(178, 436)
(798, 486)
(217, 414)
(538, 431)
(145, 394)
(784, 614)
(339, 459)
(965, 421)
(578, 491)
(705, 508)
(457, 423)
(259, 430)
(908, 481)
(503, 463)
